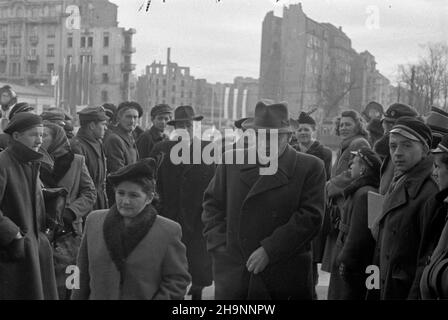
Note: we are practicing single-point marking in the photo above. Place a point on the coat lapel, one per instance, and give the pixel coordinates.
(251, 176)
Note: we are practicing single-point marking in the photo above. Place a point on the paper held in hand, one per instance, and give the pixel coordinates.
(375, 207)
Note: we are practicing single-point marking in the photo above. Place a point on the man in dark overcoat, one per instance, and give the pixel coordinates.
(259, 228)
(26, 257)
(119, 145)
(160, 115)
(88, 142)
(181, 189)
(399, 226)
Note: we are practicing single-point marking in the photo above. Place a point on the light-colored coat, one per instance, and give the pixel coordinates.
(156, 270)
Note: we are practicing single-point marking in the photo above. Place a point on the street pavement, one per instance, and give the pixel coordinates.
(322, 288)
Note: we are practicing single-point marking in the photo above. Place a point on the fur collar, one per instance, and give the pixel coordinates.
(121, 240)
(362, 181)
(52, 174)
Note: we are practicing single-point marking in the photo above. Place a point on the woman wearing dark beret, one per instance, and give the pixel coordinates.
(129, 252)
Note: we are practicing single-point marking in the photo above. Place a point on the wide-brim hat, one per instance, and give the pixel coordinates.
(184, 113)
(270, 117)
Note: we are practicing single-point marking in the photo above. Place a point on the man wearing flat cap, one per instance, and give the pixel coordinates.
(259, 228)
(181, 188)
(160, 115)
(119, 145)
(398, 228)
(18, 108)
(26, 257)
(381, 147)
(88, 142)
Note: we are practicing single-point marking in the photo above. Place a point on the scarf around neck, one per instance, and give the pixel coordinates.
(120, 239)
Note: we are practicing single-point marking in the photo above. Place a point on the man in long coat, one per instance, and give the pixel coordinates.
(160, 115)
(259, 228)
(119, 145)
(181, 188)
(26, 257)
(88, 143)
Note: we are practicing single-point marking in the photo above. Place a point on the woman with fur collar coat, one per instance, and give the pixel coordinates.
(129, 252)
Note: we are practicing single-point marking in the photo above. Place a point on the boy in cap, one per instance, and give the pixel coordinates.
(397, 229)
(88, 142)
(26, 258)
(160, 115)
(119, 145)
(381, 147)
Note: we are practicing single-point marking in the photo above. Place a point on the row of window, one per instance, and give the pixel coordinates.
(87, 42)
(15, 68)
(182, 83)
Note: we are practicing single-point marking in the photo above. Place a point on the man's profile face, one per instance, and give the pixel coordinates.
(32, 138)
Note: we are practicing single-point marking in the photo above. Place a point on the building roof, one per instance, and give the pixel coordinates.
(26, 91)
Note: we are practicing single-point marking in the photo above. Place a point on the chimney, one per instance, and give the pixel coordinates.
(168, 56)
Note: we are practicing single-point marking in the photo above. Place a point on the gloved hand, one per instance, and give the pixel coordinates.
(68, 217)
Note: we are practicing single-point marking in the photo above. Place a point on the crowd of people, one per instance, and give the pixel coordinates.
(108, 199)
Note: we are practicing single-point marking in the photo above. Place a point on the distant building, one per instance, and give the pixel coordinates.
(312, 65)
(304, 62)
(73, 44)
(369, 83)
(173, 84)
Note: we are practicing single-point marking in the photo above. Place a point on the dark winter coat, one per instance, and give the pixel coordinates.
(325, 154)
(400, 230)
(32, 275)
(121, 151)
(282, 213)
(340, 179)
(434, 280)
(354, 245)
(93, 151)
(181, 190)
(434, 217)
(148, 140)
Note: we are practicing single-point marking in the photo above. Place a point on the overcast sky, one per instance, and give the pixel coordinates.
(220, 40)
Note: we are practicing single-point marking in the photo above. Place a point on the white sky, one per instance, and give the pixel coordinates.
(220, 40)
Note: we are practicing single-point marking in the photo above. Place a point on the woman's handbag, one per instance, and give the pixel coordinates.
(55, 200)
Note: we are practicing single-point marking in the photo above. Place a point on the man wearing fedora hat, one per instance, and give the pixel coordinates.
(181, 188)
(259, 227)
(160, 115)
